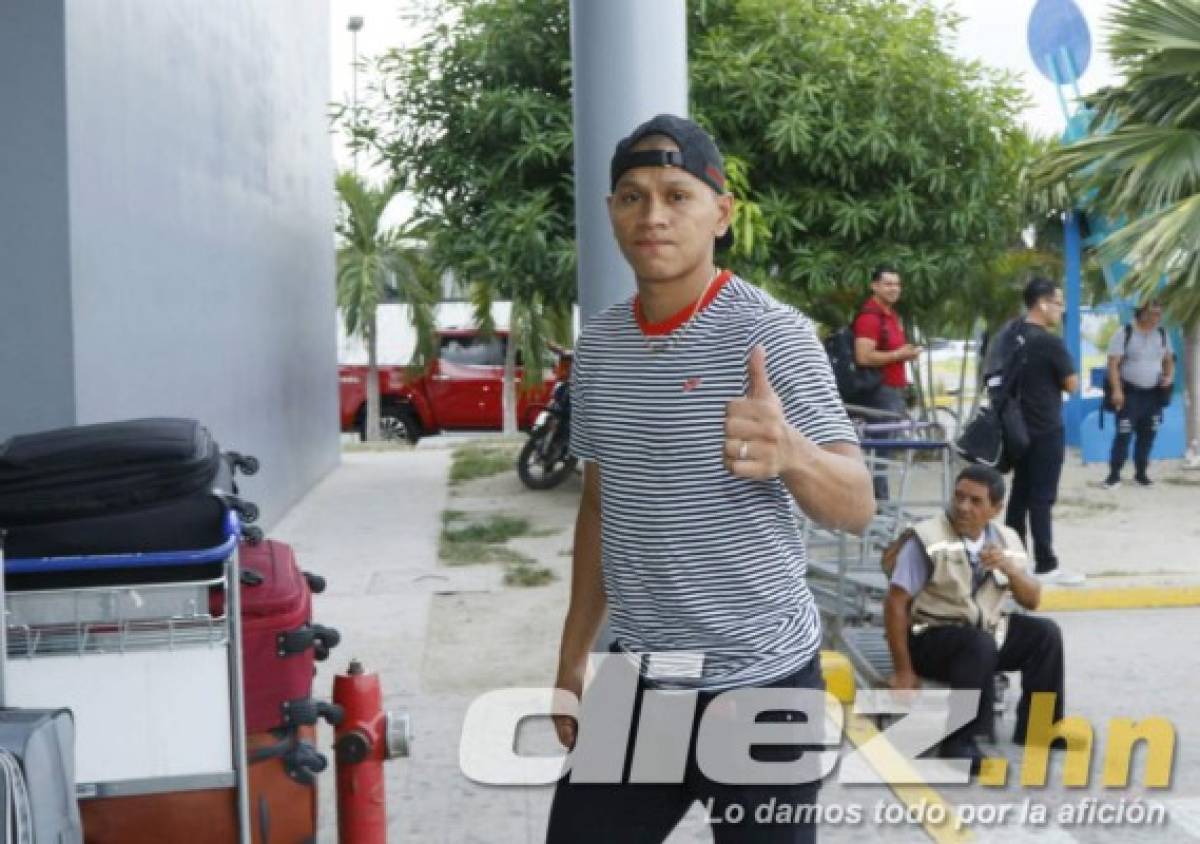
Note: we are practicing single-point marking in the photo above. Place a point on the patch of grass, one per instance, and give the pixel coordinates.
(480, 542)
(464, 553)
(480, 461)
(527, 574)
(495, 530)
(510, 557)
(465, 542)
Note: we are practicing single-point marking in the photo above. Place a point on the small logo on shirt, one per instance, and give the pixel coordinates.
(691, 384)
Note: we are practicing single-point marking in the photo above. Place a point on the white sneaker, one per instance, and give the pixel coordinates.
(1061, 577)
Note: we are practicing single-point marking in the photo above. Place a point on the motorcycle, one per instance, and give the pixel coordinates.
(544, 461)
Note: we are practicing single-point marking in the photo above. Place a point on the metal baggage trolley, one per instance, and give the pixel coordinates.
(130, 644)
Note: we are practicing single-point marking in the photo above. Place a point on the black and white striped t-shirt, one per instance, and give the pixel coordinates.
(694, 558)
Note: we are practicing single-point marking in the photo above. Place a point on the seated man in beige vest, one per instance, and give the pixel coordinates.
(944, 613)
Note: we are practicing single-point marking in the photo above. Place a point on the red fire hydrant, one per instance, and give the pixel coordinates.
(366, 737)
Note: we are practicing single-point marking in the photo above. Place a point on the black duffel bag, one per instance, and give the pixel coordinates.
(140, 485)
(982, 439)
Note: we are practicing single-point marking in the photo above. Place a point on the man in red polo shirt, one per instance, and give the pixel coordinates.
(879, 342)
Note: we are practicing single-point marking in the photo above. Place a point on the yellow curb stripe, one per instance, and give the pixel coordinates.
(1132, 598)
(883, 756)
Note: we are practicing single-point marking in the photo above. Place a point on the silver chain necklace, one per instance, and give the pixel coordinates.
(656, 345)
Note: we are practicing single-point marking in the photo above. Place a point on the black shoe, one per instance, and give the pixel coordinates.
(1143, 480)
(1111, 482)
(963, 749)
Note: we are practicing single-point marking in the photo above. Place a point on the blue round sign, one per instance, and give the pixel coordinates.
(1060, 42)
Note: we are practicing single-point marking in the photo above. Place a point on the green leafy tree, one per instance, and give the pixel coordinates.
(865, 142)
(853, 138)
(374, 264)
(1142, 164)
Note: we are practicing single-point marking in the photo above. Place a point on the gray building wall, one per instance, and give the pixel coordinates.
(199, 198)
(37, 357)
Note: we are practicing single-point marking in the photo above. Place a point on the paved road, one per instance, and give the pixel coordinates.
(371, 528)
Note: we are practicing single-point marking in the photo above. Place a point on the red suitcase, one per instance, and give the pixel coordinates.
(279, 639)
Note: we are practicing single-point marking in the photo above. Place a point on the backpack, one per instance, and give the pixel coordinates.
(997, 435)
(1106, 401)
(1000, 348)
(855, 383)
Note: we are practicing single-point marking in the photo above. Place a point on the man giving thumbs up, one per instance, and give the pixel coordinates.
(705, 413)
(760, 444)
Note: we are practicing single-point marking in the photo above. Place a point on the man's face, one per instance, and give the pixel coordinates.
(1152, 316)
(887, 288)
(665, 219)
(971, 508)
(1052, 308)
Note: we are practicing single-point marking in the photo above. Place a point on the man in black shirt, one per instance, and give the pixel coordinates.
(1047, 372)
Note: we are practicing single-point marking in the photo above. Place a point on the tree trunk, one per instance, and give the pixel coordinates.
(372, 430)
(1191, 368)
(508, 396)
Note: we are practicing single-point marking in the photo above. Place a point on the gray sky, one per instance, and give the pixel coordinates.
(994, 32)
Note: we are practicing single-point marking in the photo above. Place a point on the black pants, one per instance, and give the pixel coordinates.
(1034, 491)
(966, 658)
(1140, 416)
(890, 399)
(637, 813)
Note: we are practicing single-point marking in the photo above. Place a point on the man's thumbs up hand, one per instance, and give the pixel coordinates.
(759, 383)
(758, 440)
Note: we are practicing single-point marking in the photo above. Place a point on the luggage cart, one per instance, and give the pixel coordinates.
(130, 644)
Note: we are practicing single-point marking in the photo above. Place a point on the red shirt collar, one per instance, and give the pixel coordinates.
(873, 306)
(683, 315)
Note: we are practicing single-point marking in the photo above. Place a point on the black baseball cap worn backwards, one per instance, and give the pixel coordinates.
(697, 154)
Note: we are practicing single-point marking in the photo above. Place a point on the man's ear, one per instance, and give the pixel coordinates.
(725, 203)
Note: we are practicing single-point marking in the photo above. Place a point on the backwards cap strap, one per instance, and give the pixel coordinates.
(649, 158)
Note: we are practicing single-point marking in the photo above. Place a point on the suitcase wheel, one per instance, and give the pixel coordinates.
(328, 636)
(306, 711)
(295, 641)
(316, 636)
(253, 535)
(320, 653)
(247, 464)
(303, 762)
(316, 583)
(248, 510)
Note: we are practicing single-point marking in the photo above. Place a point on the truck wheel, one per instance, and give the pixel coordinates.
(399, 422)
(396, 422)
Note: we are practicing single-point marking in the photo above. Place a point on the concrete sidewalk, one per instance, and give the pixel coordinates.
(442, 635)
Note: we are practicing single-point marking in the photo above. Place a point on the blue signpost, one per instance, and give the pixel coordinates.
(1060, 44)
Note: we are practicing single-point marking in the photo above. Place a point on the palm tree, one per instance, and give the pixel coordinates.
(374, 263)
(1143, 164)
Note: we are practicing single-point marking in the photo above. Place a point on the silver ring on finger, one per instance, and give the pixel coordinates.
(744, 451)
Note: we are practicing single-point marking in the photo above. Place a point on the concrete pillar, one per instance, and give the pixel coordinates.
(37, 340)
(629, 62)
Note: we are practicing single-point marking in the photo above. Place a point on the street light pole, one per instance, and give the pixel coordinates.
(354, 24)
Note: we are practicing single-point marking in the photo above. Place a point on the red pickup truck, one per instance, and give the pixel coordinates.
(459, 390)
